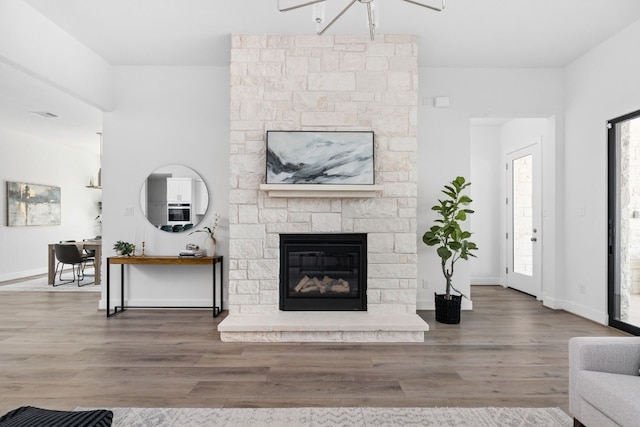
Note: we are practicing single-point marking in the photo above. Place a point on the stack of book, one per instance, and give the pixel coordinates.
(193, 253)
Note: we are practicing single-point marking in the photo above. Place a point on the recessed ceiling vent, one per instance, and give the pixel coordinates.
(44, 114)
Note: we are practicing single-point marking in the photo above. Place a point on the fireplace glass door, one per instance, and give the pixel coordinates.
(323, 272)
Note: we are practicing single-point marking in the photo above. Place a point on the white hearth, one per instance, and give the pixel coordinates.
(323, 326)
(330, 83)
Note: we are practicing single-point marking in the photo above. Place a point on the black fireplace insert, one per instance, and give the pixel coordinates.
(323, 272)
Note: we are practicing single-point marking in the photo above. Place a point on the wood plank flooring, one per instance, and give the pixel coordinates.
(57, 351)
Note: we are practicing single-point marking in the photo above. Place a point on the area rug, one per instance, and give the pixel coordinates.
(347, 417)
(40, 285)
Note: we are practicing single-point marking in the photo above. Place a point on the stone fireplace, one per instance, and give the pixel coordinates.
(317, 83)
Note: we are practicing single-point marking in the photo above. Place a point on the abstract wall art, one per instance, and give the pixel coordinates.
(305, 157)
(32, 204)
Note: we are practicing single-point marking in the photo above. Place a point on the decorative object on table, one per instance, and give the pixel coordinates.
(300, 157)
(210, 241)
(192, 251)
(32, 204)
(143, 246)
(123, 248)
(452, 243)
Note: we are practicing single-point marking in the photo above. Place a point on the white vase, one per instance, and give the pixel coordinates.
(210, 246)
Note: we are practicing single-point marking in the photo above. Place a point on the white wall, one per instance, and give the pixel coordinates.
(443, 146)
(486, 176)
(165, 115)
(601, 85)
(23, 251)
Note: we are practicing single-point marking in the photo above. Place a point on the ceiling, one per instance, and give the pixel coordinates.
(469, 33)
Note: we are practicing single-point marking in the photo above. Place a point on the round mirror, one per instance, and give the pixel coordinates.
(174, 198)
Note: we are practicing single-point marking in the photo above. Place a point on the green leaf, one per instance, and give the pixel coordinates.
(444, 253)
(465, 235)
(465, 200)
(451, 194)
(461, 216)
(456, 246)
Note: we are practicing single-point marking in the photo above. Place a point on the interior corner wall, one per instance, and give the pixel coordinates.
(444, 149)
(486, 177)
(165, 115)
(601, 85)
(69, 168)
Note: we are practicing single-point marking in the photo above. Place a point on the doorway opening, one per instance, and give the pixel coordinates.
(624, 223)
(506, 172)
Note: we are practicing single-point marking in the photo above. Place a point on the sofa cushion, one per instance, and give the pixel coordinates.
(617, 396)
(37, 417)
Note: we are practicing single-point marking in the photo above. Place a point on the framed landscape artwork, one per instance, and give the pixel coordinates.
(308, 157)
(32, 204)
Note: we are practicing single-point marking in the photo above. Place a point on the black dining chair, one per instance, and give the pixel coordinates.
(89, 255)
(69, 254)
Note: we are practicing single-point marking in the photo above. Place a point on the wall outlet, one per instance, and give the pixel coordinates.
(582, 288)
(129, 211)
(425, 284)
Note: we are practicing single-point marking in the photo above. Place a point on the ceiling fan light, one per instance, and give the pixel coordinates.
(373, 15)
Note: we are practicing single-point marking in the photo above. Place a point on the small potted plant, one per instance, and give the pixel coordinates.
(452, 244)
(123, 248)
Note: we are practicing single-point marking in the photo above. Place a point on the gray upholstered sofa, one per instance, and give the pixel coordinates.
(604, 381)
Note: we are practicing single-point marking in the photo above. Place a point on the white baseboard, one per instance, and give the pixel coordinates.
(586, 312)
(485, 281)
(22, 274)
(551, 303)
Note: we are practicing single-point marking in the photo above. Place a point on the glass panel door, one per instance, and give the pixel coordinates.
(624, 223)
(523, 215)
(523, 183)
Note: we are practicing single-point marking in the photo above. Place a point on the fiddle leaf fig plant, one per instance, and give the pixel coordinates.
(447, 234)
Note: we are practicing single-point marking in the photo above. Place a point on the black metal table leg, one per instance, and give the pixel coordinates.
(108, 288)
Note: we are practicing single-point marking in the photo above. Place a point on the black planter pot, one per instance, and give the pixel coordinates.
(448, 310)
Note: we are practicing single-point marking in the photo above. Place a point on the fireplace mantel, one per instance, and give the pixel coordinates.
(321, 190)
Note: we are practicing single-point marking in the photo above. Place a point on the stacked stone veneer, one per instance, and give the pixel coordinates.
(323, 83)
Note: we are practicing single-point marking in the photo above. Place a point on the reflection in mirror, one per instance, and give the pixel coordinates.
(174, 198)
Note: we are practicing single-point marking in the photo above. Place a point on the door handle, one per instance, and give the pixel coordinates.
(533, 239)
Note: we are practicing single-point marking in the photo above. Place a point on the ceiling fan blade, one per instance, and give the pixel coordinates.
(372, 25)
(336, 17)
(427, 6)
(298, 6)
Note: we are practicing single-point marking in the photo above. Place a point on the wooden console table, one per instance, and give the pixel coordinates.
(161, 260)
